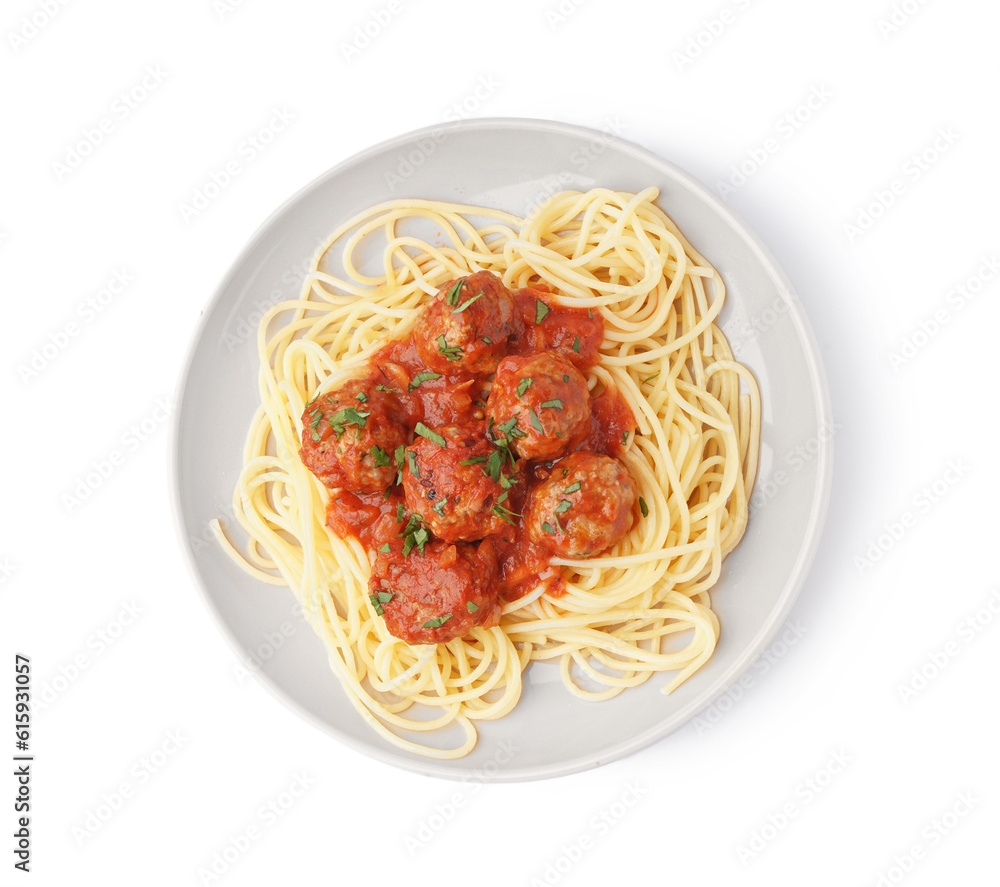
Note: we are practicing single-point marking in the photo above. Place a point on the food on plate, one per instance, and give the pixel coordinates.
(486, 442)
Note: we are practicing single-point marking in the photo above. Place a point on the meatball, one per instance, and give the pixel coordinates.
(349, 437)
(545, 397)
(466, 326)
(440, 593)
(583, 507)
(459, 501)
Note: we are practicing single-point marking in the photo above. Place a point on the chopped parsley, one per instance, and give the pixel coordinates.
(437, 622)
(384, 549)
(438, 506)
(471, 607)
(563, 506)
(487, 340)
(414, 533)
(572, 488)
(624, 438)
(400, 512)
(466, 304)
(361, 397)
(381, 457)
(475, 460)
(524, 385)
(430, 435)
(536, 423)
(576, 343)
(398, 456)
(451, 352)
(456, 288)
(548, 528)
(412, 457)
(385, 388)
(420, 378)
(379, 598)
(349, 416)
(555, 404)
(541, 310)
(505, 513)
(643, 507)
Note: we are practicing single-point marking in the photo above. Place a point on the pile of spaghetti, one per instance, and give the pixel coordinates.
(639, 608)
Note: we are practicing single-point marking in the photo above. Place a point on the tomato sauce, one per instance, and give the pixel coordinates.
(457, 397)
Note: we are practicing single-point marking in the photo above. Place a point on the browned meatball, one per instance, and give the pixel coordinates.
(583, 507)
(350, 435)
(540, 403)
(456, 500)
(440, 593)
(466, 326)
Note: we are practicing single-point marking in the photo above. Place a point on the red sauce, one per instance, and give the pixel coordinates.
(611, 423)
(455, 397)
(576, 331)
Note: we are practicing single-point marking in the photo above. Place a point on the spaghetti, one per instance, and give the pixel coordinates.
(643, 606)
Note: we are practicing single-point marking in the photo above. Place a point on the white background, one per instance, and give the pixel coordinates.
(836, 764)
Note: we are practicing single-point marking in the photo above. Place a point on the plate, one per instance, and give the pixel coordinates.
(508, 164)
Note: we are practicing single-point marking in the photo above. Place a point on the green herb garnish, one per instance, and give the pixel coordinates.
(541, 310)
(451, 352)
(420, 378)
(456, 288)
(437, 622)
(466, 304)
(430, 435)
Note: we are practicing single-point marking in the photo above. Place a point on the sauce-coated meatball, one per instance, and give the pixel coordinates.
(436, 595)
(466, 326)
(458, 501)
(583, 507)
(547, 399)
(349, 437)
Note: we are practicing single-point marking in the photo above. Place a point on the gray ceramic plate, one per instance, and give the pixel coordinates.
(511, 165)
